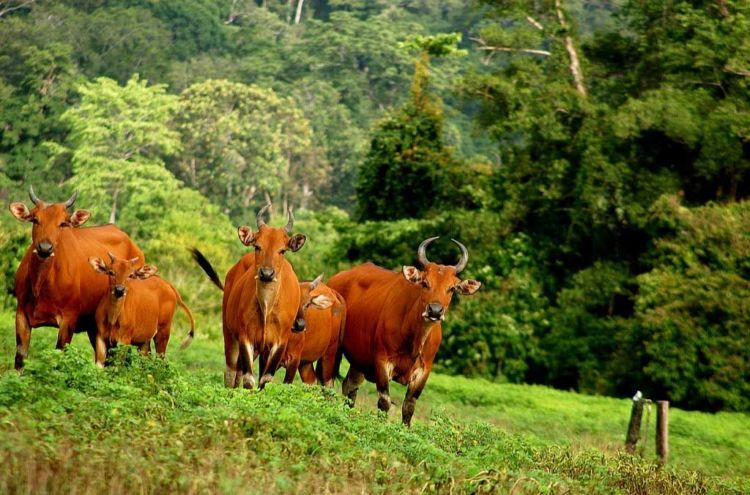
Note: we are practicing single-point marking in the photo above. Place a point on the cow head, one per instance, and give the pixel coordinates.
(121, 272)
(439, 282)
(311, 297)
(270, 245)
(48, 220)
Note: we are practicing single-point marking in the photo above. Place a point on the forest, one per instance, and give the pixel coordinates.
(594, 157)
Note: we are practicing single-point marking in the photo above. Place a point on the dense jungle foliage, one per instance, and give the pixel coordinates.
(593, 156)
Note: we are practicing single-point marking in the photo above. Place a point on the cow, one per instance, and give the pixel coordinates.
(54, 285)
(137, 308)
(260, 303)
(322, 314)
(393, 323)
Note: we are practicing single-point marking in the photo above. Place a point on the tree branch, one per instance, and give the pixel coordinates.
(8, 7)
(484, 46)
(535, 23)
(575, 65)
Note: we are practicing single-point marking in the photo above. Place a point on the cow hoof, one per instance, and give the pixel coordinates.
(248, 381)
(264, 380)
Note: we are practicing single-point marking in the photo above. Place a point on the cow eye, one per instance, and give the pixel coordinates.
(65, 224)
(282, 251)
(425, 284)
(34, 220)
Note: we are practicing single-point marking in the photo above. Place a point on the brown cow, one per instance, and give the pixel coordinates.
(393, 323)
(54, 285)
(320, 340)
(261, 297)
(138, 307)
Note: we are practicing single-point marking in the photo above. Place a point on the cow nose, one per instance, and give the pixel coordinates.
(44, 249)
(118, 291)
(299, 325)
(266, 273)
(434, 311)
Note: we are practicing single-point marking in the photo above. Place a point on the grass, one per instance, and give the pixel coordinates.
(145, 425)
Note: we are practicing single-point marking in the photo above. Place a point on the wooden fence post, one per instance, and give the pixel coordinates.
(662, 430)
(634, 427)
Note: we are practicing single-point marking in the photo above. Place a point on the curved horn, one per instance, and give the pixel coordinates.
(33, 197)
(261, 213)
(464, 257)
(111, 256)
(71, 200)
(290, 220)
(315, 282)
(422, 251)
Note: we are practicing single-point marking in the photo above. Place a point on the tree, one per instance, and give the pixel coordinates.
(119, 139)
(242, 143)
(407, 170)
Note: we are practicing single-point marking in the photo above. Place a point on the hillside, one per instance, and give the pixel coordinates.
(69, 427)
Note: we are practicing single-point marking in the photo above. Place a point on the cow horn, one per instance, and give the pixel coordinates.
(422, 251)
(290, 220)
(71, 200)
(262, 212)
(34, 198)
(315, 282)
(111, 256)
(464, 257)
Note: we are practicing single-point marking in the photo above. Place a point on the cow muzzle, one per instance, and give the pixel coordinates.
(118, 291)
(299, 325)
(266, 274)
(44, 249)
(434, 312)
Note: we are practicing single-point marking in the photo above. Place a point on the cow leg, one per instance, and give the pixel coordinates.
(146, 348)
(161, 340)
(413, 391)
(272, 364)
(307, 374)
(65, 332)
(291, 370)
(23, 338)
(100, 350)
(326, 366)
(382, 382)
(231, 354)
(351, 384)
(245, 376)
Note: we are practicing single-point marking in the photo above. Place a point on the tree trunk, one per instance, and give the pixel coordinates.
(575, 65)
(289, 10)
(113, 210)
(298, 16)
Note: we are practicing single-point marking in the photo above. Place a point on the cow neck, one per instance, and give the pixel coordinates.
(43, 271)
(267, 294)
(418, 329)
(114, 309)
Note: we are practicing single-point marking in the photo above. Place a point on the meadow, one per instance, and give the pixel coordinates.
(147, 425)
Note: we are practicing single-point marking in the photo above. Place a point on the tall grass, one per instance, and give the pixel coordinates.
(147, 425)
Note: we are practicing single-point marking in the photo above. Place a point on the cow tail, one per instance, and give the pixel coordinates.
(189, 339)
(206, 265)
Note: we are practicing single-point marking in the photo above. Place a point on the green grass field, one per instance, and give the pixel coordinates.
(148, 426)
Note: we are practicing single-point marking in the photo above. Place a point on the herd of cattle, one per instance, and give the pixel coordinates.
(94, 279)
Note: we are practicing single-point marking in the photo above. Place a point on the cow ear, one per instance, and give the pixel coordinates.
(321, 302)
(246, 235)
(296, 242)
(98, 265)
(145, 272)
(79, 217)
(468, 287)
(20, 211)
(412, 274)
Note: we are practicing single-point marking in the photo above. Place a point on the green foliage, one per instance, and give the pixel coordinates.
(408, 171)
(241, 142)
(693, 306)
(150, 423)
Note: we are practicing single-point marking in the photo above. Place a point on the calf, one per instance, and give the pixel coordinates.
(137, 308)
(322, 335)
